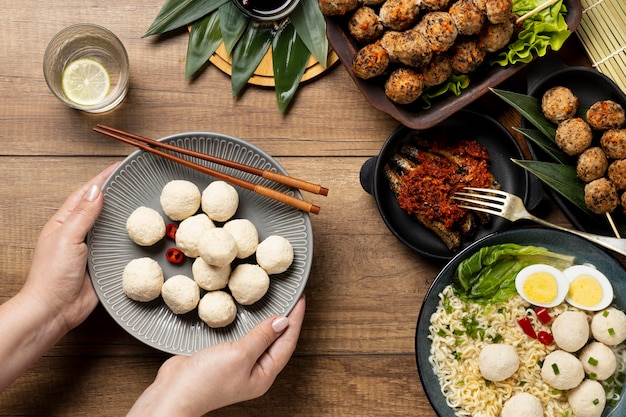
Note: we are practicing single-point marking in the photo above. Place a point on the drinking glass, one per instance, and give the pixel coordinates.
(94, 43)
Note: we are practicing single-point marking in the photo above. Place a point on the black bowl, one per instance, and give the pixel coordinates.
(464, 124)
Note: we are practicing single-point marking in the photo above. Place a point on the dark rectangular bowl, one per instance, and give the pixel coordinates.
(416, 118)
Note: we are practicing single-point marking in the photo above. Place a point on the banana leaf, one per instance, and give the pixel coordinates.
(178, 13)
(530, 108)
(204, 38)
(561, 178)
(248, 53)
(547, 145)
(311, 27)
(289, 58)
(233, 23)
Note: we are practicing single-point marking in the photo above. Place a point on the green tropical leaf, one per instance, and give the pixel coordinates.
(311, 27)
(233, 24)
(178, 13)
(289, 58)
(547, 145)
(204, 38)
(561, 178)
(530, 108)
(249, 52)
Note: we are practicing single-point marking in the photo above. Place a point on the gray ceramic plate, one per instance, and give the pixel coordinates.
(557, 241)
(138, 182)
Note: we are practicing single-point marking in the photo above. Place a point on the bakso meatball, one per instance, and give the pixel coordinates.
(248, 283)
(467, 17)
(189, 232)
(181, 294)
(439, 29)
(438, 70)
(337, 7)
(467, 55)
(617, 173)
(410, 47)
(398, 14)
(404, 86)
(599, 361)
(609, 326)
(245, 234)
(498, 362)
(180, 199)
(217, 309)
(558, 104)
(592, 164)
(142, 279)
(606, 114)
(601, 196)
(588, 399)
(499, 11)
(613, 142)
(275, 254)
(522, 404)
(571, 330)
(573, 136)
(217, 247)
(365, 26)
(495, 36)
(481, 4)
(210, 277)
(220, 201)
(371, 3)
(562, 370)
(370, 61)
(433, 4)
(145, 226)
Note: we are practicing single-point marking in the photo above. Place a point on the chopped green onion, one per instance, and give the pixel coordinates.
(555, 368)
(611, 331)
(596, 401)
(458, 342)
(593, 376)
(593, 361)
(497, 338)
(605, 313)
(441, 333)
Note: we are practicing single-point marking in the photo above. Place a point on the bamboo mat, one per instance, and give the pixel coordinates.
(602, 31)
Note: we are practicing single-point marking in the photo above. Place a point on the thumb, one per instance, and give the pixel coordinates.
(263, 335)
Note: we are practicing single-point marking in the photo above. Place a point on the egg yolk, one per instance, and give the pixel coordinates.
(585, 290)
(541, 287)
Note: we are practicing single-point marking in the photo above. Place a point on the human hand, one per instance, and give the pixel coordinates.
(223, 374)
(58, 278)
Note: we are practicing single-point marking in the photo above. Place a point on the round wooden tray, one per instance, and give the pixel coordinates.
(264, 74)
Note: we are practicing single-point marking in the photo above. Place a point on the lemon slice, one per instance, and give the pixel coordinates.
(85, 81)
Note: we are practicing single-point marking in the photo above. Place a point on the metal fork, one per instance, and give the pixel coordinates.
(511, 207)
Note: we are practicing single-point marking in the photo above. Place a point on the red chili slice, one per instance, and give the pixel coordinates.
(543, 315)
(527, 327)
(545, 337)
(170, 230)
(174, 255)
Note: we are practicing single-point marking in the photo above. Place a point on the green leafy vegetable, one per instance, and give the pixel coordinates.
(547, 28)
(488, 276)
(455, 85)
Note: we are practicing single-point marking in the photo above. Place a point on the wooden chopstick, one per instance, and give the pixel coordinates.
(535, 11)
(257, 188)
(270, 175)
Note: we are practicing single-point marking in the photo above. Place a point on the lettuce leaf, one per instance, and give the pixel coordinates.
(488, 276)
(454, 85)
(543, 30)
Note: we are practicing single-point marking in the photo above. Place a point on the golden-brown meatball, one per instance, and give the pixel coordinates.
(613, 142)
(365, 26)
(467, 17)
(499, 11)
(573, 136)
(404, 86)
(438, 70)
(337, 7)
(370, 61)
(409, 47)
(601, 196)
(398, 14)
(592, 164)
(433, 5)
(440, 30)
(623, 199)
(495, 36)
(606, 114)
(467, 55)
(617, 173)
(558, 104)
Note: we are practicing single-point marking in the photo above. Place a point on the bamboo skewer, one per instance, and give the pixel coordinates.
(535, 11)
(150, 145)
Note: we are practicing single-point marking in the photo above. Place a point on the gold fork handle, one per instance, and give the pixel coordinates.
(612, 243)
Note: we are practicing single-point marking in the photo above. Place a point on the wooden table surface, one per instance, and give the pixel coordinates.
(356, 351)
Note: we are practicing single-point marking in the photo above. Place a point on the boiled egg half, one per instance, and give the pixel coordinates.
(589, 289)
(542, 285)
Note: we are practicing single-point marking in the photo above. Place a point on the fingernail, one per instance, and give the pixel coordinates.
(92, 193)
(280, 324)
